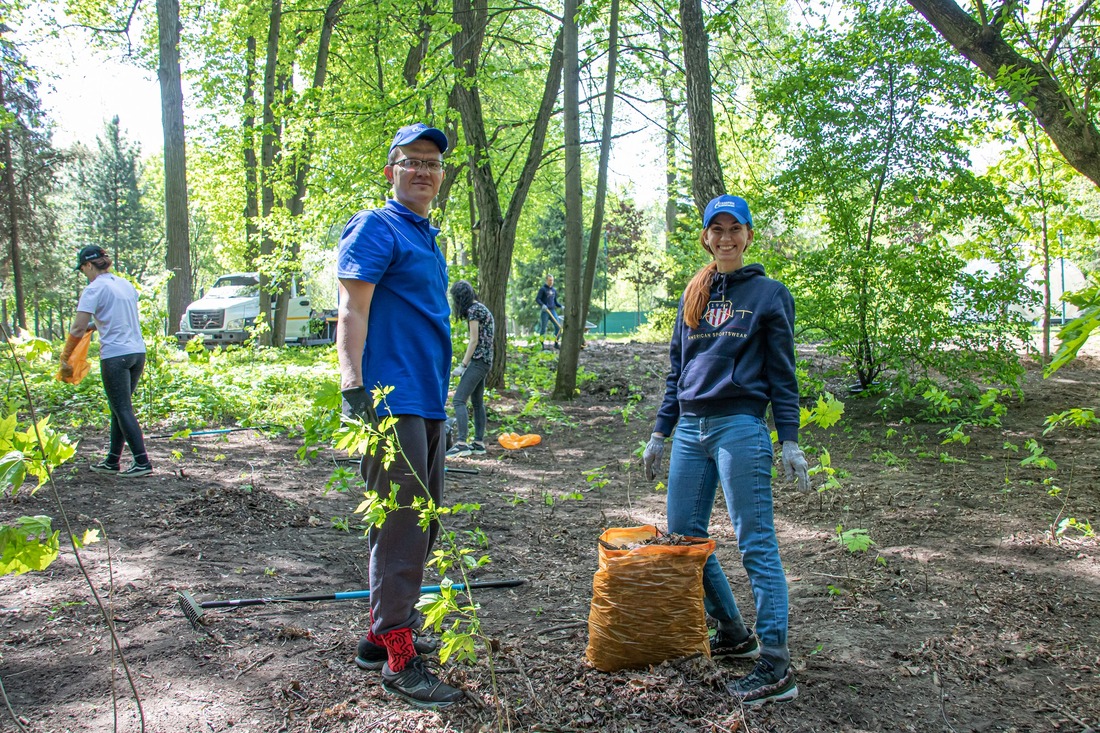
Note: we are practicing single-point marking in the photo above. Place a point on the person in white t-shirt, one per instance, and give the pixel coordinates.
(112, 302)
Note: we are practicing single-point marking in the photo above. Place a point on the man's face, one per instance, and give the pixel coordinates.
(550, 280)
(415, 188)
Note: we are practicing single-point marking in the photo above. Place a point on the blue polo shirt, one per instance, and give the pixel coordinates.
(409, 331)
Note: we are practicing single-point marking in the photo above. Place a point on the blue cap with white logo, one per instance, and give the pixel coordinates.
(726, 204)
(413, 132)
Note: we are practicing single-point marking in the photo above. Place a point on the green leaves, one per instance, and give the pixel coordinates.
(31, 544)
(24, 456)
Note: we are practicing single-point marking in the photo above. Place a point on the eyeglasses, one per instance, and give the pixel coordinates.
(415, 164)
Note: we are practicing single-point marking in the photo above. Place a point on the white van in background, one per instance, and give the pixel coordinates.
(225, 312)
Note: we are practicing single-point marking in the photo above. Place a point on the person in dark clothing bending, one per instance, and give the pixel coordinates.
(547, 298)
(732, 353)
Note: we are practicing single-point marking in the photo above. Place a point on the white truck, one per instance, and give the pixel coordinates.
(224, 313)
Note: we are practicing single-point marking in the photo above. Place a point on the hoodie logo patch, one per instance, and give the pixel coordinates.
(718, 312)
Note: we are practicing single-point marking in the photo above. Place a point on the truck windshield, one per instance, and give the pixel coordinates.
(234, 287)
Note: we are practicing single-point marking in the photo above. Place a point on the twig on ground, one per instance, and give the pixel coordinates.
(255, 664)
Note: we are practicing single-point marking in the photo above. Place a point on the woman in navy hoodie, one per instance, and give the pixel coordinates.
(732, 353)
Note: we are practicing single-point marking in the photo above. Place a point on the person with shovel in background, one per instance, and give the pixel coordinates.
(394, 330)
(113, 302)
(472, 370)
(547, 298)
(732, 353)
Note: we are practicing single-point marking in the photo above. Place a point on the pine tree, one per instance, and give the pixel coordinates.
(112, 211)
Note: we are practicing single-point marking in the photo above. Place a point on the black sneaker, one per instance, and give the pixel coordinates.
(722, 646)
(763, 685)
(137, 469)
(104, 467)
(459, 450)
(417, 686)
(372, 656)
(477, 448)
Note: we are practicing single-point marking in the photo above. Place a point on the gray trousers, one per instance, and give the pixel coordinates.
(400, 547)
(471, 387)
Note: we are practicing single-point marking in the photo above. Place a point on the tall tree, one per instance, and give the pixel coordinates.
(580, 294)
(113, 212)
(1042, 55)
(300, 161)
(706, 170)
(178, 240)
(28, 188)
(269, 148)
(497, 236)
(880, 118)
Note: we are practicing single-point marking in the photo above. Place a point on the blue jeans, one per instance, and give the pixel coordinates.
(736, 451)
(544, 316)
(471, 387)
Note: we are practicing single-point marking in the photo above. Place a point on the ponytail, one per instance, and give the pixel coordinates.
(697, 294)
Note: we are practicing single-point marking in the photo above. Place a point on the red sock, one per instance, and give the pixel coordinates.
(399, 648)
(372, 637)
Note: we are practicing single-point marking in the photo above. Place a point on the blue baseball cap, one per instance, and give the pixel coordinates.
(726, 204)
(410, 133)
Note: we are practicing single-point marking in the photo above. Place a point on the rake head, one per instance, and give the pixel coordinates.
(191, 609)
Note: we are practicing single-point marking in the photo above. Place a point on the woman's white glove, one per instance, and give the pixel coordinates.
(651, 457)
(795, 465)
(458, 371)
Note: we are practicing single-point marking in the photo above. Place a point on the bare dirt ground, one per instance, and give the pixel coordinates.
(966, 614)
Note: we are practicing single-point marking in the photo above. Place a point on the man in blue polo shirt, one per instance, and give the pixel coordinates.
(394, 331)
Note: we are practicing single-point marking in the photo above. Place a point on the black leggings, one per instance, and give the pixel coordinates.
(120, 376)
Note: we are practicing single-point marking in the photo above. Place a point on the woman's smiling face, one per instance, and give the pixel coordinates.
(727, 239)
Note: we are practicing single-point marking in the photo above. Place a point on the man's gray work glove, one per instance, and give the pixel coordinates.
(795, 465)
(357, 403)
(651, 457)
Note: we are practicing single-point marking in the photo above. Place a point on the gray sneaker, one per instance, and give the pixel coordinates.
(459, 450)
(104, 467)
(477, 448)
(417, 686)
(136, 470)
(763, 685)
(722, 646)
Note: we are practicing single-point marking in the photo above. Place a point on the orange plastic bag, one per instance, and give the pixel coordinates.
(78, 361)
(647, 602)
(512, 441)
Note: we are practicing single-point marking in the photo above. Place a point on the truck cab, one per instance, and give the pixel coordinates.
(225, 312)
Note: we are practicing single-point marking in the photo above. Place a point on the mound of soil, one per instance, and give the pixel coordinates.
(970, 612)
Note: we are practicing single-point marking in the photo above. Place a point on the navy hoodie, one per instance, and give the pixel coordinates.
(739, 358)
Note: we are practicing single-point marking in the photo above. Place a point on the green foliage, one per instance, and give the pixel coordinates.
(1076, 417)
(32, 544)
(113, 210)
(853, 540)
(1035, 457)
(24, 455)
(1074, 334)
(881, 115)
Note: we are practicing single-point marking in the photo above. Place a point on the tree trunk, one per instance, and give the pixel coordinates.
(566, 384)
(706, 171)
(251, 202)
(1068, 127)
(13, 217)
(302, 163)
(672, 119)
(267, 169)
(176, 225)
(496, 240)
(574, 206)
